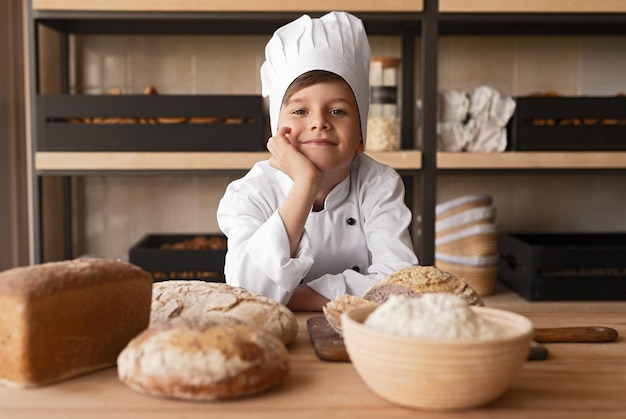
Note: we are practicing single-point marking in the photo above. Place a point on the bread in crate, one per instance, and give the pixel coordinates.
(181, 256)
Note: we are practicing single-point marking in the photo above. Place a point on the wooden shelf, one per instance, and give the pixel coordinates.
(533, 160)
(532, 6)
(400, 160)
(183, 161)
(145, 161)
(228, 5)
(410, 160)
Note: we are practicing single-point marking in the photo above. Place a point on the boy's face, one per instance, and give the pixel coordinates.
(325, 125)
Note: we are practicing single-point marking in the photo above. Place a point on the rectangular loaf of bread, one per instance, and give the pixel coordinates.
(62, 319)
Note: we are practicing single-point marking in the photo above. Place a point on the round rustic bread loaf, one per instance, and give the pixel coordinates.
(411, 281)
(203, 360)
(417, 280)
(172, 299)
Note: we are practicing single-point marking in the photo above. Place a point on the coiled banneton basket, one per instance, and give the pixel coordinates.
(466, 241)
(436, 375)
(461, 204)
(480, 272)
(466, 219)
(478, 240)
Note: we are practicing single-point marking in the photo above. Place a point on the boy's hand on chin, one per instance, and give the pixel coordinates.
(288, 159)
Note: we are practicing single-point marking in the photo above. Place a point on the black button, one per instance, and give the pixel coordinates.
(356, 269)
(351, 221)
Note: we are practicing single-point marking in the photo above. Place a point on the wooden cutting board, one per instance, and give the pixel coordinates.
(329, 346)
(327, 343)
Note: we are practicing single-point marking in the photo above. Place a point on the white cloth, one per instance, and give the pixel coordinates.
(473, 121)
(363, 225)
(336, 42)
(453, 105)
(454, 129)
(491, 110)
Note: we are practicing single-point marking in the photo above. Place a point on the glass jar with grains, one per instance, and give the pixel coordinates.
(383, 123)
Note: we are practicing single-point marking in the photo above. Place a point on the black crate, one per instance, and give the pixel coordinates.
(167, 264)
(564, 266)
(144, 123)
(568, 124)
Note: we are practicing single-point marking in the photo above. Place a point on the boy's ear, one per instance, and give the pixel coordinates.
(361, 147)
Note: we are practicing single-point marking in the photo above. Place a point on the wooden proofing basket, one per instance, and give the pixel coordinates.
(481, 278)
(484, 214)
(477, 240)
(458, 205)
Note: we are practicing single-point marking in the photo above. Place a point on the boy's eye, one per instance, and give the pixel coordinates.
(299, 112)
(337, 112)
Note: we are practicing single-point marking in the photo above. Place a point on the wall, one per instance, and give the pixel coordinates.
(115, 211)
(524, 65)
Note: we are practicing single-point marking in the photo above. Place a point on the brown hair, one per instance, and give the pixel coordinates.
(309, 79)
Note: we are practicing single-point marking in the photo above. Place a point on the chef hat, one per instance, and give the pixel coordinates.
(335, 42)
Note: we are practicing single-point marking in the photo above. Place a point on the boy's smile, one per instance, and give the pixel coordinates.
(319, 141)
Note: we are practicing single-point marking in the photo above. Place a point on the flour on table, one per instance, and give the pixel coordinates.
(433, 316)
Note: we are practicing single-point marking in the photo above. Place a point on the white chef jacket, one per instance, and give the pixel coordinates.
(359, 237)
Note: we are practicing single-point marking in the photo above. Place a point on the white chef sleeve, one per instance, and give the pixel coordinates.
(348, 282)
(258, 256)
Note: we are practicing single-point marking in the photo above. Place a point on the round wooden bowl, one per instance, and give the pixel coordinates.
(434, 375)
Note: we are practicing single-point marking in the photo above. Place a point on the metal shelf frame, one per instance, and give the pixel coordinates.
(427, 27)
(66, 23)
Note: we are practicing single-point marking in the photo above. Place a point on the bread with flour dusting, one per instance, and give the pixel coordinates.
(173, 299)
(203, 359)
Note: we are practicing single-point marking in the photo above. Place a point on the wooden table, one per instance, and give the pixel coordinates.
(578, 380)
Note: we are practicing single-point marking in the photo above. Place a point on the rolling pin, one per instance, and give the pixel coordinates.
(575, 334)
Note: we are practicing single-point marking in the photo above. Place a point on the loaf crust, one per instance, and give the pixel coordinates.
(62, 319)
(422, 280)
(411, 281)
(173, 299)
(203, 359)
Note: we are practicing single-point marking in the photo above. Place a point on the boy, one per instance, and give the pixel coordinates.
(319, 218)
